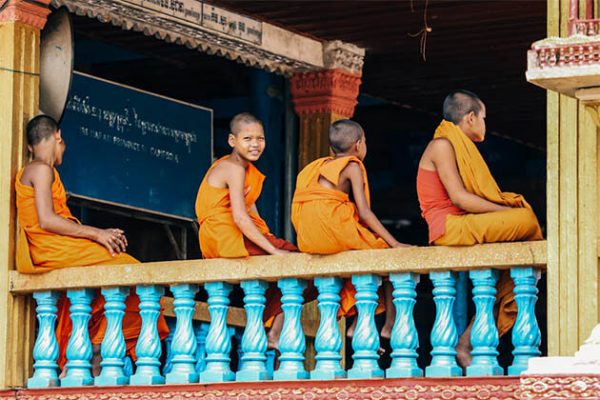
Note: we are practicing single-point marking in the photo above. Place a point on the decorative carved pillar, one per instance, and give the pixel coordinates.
(20, 25)
(325, 96)
(568, 68)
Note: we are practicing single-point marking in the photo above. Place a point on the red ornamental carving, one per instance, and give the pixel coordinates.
(328, 91)
(412, 389)
(568, 55)
(560, 387)
(32, 12)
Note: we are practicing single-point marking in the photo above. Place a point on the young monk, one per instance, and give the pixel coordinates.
(462, 202)
(230, 226)
(327, 221)
(51, 238)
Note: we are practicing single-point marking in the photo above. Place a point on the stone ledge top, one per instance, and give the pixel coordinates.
(271, 268)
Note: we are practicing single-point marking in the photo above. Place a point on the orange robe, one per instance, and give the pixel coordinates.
(220, 237)
(327, 221)
(518, 223)
(40, 251)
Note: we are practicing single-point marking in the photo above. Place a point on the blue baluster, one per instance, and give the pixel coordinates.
(148, 348)
(365, 341)
(113, 344)
(183, 346)
(292, 343)
(45, 350)
(404, 340)
(484, 334)
(168, 344)
(218, 342)
(201, 331)
(254, 341)
(328, 342)
(526, 335)
(79, 350)
(127, 366)
(443, 335)
(270, 363)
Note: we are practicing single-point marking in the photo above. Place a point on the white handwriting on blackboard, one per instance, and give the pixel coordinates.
(126, 122)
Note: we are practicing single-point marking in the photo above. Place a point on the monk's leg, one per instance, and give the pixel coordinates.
(390, 310)
(512, 225)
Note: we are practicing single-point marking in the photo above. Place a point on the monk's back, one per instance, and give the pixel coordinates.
(325, 219)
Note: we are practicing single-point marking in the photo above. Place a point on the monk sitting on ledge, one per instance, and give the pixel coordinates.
(331, 211)
(230, 226)
(50, 237)
(462, 203)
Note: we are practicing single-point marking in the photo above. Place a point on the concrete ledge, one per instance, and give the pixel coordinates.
(271, 268)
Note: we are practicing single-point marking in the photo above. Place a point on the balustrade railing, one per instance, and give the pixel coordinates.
(200, 351)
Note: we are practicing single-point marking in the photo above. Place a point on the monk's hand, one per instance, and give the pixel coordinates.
(398, 245)
(113, 239)
(280, 252)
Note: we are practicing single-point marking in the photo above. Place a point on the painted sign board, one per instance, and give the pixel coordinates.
(134, 148)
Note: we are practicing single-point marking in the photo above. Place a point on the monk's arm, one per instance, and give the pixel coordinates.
(41, 179)
(235, 183)
(444, 160)
(366, 215)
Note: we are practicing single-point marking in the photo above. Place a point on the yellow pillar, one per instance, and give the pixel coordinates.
(20, 25)
(573, 217)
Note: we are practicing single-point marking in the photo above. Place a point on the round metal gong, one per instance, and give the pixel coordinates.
(56, 66)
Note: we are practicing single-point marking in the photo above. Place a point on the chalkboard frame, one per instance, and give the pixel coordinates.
(124, 206)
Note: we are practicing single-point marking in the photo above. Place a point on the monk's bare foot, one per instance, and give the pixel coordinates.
(63, 373)
(463, 357)
(275, 332)
(96, 358)
(351, 328)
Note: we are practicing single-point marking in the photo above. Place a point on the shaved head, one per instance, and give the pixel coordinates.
(40, 128)
(343, 134)
(460, 103)
(242, 119)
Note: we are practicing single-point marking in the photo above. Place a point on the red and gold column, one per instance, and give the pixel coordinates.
(321, 98)
(20, 26)
(325, 96)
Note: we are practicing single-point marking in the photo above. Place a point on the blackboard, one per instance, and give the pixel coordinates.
(134, 148)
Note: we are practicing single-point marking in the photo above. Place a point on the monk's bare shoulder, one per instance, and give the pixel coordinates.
(37, 172)
(440, 145)
(351, 173)
(223, 172)
(436, 149)
(353, 167)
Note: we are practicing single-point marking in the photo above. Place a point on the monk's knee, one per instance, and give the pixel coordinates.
(527, 222)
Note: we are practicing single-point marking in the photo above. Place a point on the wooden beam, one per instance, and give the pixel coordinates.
(236, 316)
(382, 262)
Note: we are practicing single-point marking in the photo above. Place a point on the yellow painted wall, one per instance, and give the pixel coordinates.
(573, 218)
(19, 81)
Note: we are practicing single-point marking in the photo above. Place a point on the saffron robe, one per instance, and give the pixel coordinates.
(220, 237)
(41, 251)
(516, 224)
(327, 221)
